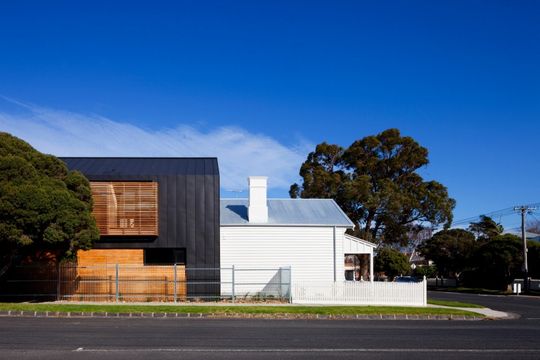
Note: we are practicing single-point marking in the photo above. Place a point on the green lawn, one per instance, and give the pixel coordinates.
(309, 310)
(453, 303)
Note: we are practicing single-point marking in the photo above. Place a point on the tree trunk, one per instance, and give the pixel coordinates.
(369, 220)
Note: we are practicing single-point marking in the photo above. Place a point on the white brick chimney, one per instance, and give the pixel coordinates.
(257, 208)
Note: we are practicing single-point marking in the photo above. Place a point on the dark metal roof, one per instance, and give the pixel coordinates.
(142, 166)
(315, 212)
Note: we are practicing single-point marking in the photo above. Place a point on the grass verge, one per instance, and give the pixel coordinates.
(231, 310)
(453, 303)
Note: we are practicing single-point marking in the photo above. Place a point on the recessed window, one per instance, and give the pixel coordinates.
(164, 256)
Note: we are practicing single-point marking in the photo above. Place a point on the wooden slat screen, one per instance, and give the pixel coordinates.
(125, 208)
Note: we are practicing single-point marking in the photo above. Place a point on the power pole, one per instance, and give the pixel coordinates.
(524, 210)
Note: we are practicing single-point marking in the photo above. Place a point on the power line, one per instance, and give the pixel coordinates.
(498, 213)
(502, 212)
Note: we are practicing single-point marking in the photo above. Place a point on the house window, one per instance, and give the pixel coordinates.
(125, 208)
(164, 256)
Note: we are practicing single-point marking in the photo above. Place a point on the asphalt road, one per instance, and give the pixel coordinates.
(143, 338)
(528, 307)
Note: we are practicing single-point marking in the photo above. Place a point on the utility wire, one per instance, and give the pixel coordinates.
(494, 214)
(497, 213)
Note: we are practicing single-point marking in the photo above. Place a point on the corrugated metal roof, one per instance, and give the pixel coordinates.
(141, 166)
(316, 212)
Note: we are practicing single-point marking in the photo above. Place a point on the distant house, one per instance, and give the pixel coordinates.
(418, 260)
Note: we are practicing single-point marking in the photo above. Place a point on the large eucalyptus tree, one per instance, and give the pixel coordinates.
(376, 182)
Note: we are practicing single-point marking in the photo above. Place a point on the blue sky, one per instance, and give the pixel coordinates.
(260, 83)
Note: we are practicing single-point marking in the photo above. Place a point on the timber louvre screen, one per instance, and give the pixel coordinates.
(125, 208)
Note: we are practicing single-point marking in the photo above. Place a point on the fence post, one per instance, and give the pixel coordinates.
(232, 283)
(425, 291)
(116, 281)
(280, 284)
(290, 285)
(175, 280)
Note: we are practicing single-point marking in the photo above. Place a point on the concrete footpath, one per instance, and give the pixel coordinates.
(487, 312)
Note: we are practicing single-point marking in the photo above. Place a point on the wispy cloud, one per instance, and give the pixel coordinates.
(240, 153)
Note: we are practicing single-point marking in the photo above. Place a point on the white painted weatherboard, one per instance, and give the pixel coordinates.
(308, 250)
(354, 245)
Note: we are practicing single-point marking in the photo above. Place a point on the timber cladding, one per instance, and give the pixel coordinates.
(125, 208)
(111, 257)
(97, 274)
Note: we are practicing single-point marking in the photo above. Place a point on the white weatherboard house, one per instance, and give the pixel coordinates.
(304, 237)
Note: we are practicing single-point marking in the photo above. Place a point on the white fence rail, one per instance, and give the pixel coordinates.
(361, 293)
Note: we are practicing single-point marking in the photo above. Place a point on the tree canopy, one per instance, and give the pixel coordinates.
(533, 256)
(491, 260)
(391, 262)
(376, 182)
(486, 228)
(43, 206)
(499, 261)
(451, 250)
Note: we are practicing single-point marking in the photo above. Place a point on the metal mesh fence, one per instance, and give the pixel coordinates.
(138, 283)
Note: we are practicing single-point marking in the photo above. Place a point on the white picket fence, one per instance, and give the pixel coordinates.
(360, 293)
